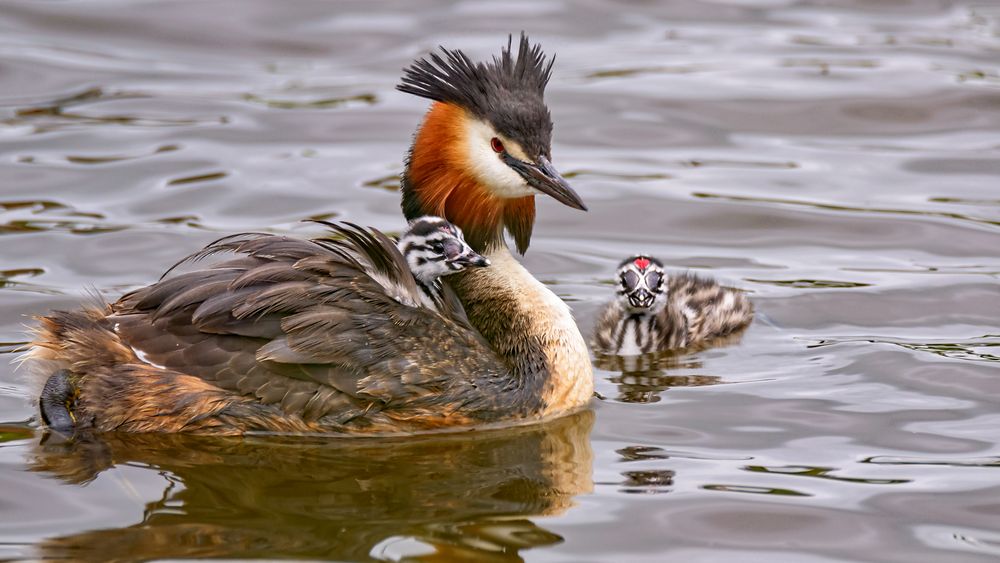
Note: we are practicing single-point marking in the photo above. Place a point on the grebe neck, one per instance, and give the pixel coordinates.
(531, 329)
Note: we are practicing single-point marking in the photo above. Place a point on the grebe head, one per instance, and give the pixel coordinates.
(484, 149)
(642, 283)
(434, 247)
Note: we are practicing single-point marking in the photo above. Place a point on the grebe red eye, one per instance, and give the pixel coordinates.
(496, 144)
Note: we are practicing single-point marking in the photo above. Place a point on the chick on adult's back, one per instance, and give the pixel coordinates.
(287, 329)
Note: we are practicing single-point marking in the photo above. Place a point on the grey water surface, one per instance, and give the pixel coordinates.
(839, 160)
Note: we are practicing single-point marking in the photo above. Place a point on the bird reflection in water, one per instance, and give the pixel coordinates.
(642, 378)
(648, 482)
(444, 497)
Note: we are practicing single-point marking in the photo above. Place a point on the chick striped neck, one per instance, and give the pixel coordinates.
(431, 248)
(430, 293)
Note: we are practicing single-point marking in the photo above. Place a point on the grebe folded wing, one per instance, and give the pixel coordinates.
(307, 325)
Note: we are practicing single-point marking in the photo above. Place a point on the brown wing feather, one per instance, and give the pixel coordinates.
(329, 329)
(712, 310)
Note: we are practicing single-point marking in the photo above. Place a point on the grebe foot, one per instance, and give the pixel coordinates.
(55, 401)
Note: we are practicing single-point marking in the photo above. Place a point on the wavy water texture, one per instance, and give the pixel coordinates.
(836, 160)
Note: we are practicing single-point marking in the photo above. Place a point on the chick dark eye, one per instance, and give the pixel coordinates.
(653, 280)
(451, 249)
(629, 280)
(496, 145)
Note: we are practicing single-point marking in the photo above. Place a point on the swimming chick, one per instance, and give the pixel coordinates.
(654, 311)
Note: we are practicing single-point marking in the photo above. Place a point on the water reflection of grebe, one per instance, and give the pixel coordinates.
(458, 496)
(642, 378)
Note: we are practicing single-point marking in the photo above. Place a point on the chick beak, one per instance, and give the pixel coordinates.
(545, 178)
(640, 299)
(471, 259)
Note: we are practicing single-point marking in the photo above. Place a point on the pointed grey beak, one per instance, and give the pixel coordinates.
(546, 179)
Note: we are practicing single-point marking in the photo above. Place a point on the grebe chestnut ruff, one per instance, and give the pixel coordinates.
(291, 335)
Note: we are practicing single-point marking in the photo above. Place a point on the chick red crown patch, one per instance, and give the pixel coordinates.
(641, 263)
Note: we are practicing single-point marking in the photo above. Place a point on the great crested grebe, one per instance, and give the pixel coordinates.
(654, 312)
(294, 336)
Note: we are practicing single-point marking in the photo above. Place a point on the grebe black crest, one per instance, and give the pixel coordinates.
(654, 311)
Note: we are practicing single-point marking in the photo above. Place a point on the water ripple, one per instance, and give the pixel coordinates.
(976, 349)
(954, 462)
(849, 208)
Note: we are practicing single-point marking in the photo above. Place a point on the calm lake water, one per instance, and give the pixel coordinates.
(838, 160)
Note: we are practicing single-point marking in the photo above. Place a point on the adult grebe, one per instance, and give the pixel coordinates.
(298, 336)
